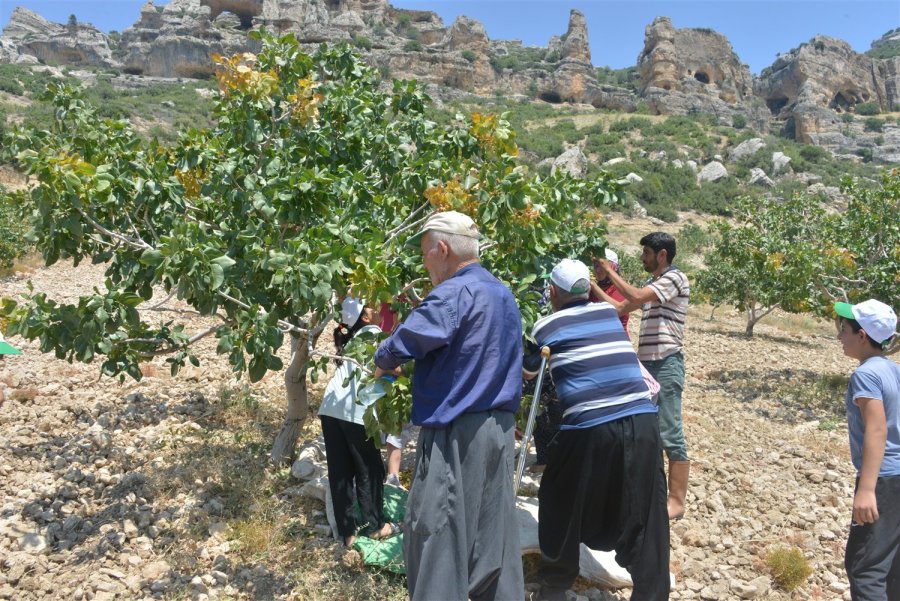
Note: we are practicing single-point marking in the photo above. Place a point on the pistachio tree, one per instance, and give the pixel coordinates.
(764, 258)
(307, 187)
(801, 254)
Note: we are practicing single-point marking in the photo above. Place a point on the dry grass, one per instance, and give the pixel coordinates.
(24, 395)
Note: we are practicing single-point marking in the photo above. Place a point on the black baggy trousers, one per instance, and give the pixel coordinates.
(872, 557)
(605, 487)
(353, 458)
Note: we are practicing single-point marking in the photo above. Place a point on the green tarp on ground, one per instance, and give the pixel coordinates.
(386, 554)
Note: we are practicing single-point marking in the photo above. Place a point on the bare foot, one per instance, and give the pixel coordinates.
(349, 541)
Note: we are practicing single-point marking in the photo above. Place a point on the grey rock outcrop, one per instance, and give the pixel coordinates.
(686, 71)
(758, 177)
(572, 162)
(712, 172)
(808, 89)
(746, 149)
(781, 163)
(178, 40)
(28, 33)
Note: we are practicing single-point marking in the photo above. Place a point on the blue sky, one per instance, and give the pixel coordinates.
(758, 29)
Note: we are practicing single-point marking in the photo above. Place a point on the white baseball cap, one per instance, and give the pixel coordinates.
(449, 222)
(571, 276)
(611, 255)
(351, 309)
(877, 319)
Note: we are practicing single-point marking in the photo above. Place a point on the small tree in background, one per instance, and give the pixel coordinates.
(801, 256)
(763, 261)
(307, 187)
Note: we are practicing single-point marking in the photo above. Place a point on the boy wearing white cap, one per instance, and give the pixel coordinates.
(873, 415)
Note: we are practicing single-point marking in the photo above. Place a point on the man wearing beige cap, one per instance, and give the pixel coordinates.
(461, 536)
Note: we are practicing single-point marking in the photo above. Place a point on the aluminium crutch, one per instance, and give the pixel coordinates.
(536, 399)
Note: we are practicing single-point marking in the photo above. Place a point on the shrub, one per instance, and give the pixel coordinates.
(663, 212)
(362, 42)
(630, 124)
(739, 121)
(469, 55)
(868, 108)
(413, 46)
(12, 230)
(847, 117)
(12, 86)
(813, 154)
(788, 567)
(873, 124)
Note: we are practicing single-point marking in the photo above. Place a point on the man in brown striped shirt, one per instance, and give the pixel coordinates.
(664, 302)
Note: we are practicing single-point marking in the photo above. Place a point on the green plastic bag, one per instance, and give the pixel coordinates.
(387, 553)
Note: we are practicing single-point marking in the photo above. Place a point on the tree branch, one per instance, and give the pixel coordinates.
(133, 243)
(392, 236)
(362, 368)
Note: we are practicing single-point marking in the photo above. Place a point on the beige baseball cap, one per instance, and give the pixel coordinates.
(449, 222)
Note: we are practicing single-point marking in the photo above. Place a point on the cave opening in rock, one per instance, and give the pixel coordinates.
(841, 103)
(245, 10)
(551, 97)
(776, 104)
(701, 77)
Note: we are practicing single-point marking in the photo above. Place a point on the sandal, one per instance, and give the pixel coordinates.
(393, 530)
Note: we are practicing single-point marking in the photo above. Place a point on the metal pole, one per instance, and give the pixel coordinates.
(535, 401)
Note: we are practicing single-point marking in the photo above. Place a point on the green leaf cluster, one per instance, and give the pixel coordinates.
(306, 187)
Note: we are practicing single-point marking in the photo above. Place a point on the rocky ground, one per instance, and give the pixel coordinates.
(160, 489)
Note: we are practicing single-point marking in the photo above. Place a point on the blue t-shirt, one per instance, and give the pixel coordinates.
(876, 378)
(466, 339)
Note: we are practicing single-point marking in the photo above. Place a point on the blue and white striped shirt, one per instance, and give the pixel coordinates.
(594, 367)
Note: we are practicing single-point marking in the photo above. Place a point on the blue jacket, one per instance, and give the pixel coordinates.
(466, 338)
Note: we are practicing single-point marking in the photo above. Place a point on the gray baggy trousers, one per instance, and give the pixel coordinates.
(461, 536)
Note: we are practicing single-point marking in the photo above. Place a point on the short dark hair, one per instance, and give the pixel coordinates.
(854, 325)
(660, 241)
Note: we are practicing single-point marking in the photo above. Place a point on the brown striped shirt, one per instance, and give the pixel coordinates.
(662, 323)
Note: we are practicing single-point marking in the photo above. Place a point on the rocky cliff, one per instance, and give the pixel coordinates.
(806, 93)
(30, 38)
(811, 87)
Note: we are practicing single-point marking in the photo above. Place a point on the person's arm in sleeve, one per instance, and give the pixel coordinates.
(427, 328)
(865, 508)
(634, 297)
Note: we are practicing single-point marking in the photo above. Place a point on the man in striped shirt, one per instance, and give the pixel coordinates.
(604, 483)
(664, 302)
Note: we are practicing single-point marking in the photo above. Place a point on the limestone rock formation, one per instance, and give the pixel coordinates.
(572, 162)
(28, 33)
(810, 87)
(758, 177)
(711, 172)
(687, 71)
(746, 149)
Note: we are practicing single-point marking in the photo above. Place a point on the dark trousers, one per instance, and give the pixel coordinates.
(873, 550)
(353, 458)
(605, 487)
(461, 536)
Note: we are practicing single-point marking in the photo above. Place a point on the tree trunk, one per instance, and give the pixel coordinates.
(751, 321)
(297, 403)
